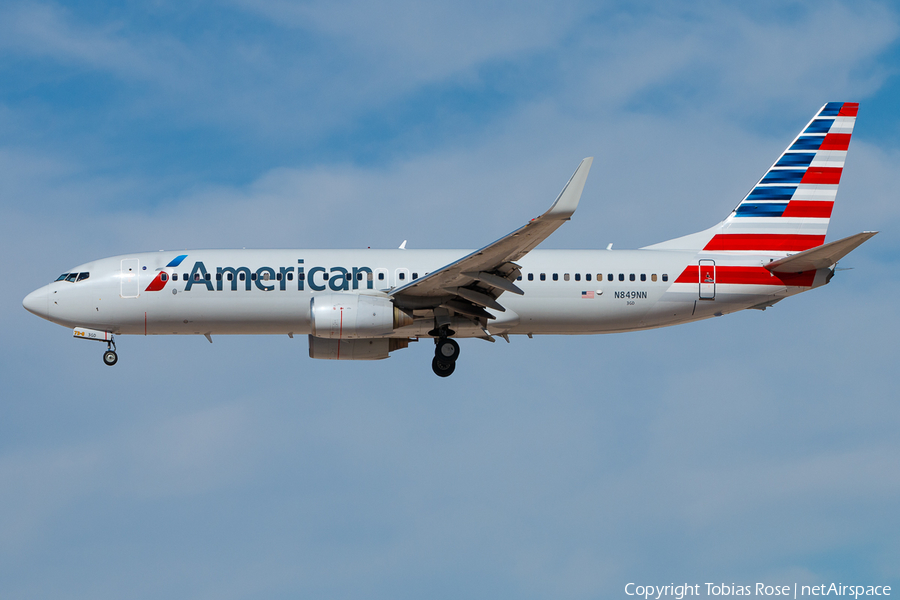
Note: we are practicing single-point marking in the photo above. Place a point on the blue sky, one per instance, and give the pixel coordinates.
(758, 447)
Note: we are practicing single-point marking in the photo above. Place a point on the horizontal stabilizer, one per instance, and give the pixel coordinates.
(819, 257)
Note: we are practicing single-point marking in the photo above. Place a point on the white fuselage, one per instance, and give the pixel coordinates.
(566, 291)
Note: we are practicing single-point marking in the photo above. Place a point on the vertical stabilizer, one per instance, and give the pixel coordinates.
(789, 208)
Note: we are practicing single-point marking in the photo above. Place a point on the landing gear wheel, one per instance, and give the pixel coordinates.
(446, 350)
(442, 369)
(110, 357)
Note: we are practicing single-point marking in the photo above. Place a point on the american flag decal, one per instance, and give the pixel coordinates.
(587, 294)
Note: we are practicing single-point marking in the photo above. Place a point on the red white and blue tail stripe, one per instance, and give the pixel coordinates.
(788, 210)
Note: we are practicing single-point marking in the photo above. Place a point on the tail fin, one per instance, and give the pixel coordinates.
(788, 210)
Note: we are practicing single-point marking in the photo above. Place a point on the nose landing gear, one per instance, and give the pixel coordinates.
(110, 357)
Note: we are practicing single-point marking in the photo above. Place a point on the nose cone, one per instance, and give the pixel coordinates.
(38, 302)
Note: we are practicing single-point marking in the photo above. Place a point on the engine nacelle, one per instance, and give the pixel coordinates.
(354, 316)
(371, 349)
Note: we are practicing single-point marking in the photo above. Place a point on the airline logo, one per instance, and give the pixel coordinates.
(789, 209)
(159, 282)
(317, 279)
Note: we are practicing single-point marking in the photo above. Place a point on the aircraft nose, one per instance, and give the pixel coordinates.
(38, 302)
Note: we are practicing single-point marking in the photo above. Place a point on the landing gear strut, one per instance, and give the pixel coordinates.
(110, 357)
(446, 351)
(98, 335)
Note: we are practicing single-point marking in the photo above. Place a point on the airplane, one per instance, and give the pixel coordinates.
(365, 304)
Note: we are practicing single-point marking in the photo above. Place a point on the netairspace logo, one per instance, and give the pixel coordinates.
(679, 592)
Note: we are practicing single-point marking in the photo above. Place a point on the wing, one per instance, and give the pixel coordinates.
(474, 282)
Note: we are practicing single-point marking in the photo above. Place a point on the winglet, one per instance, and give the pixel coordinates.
(568, 198)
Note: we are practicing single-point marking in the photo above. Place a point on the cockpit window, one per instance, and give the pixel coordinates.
(63, 276)
(83, 276)
(71, 276)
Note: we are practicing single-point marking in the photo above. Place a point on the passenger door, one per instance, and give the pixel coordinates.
(130, 281)
(707, 279)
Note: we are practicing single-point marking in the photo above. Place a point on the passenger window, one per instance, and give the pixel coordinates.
(175, 276)
(325, 276)
(300, 276)
(556, 277)
(415, 275)
(381, 277)
(230, 276)
(608, 277)
(62, 277)
(621, 276)
(643, 277)
(218, 277)
(543, 277)
(163, 277)
(359, 276)
(665, 277)
(369, 275)
(519, 278)
(531, 277)
(278, 276)
(83, 276)
(243, 276)
(184, 276)
(587, 277)
(631, 277)
(653, 277)
(290, 276)
(566, 277)
(207, 277)
(252, 276)
(577, 276)
(401, 276)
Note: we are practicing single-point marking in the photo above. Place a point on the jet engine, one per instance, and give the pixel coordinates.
(371, 349)
(354, 316)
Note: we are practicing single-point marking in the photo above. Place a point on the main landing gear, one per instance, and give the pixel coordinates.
(446, 351)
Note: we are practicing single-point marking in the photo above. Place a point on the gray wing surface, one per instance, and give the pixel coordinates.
(474, 282)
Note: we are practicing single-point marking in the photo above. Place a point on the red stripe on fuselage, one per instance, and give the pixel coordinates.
(811, 209)
(749, 276)
(826, 175)
(764, 241)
